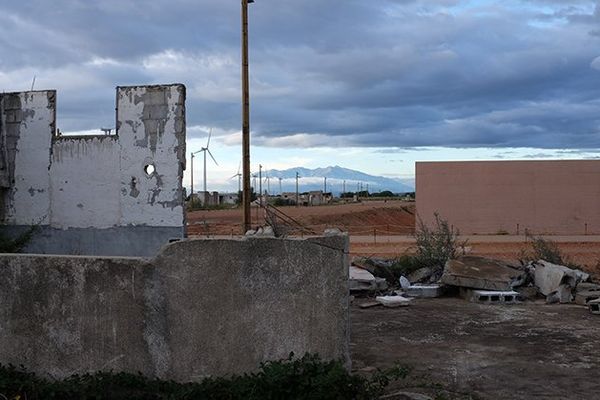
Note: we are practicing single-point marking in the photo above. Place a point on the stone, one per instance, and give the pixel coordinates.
(393, 301)
(481, 273)
(404, 283)
(527, 292)
(587, 286)
(548, 277)
(369, 304)
(563, 294)
(583, 297)
(420, 275)
(425, 291)
(362, 280)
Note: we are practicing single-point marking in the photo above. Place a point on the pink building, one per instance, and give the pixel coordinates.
(559, 197)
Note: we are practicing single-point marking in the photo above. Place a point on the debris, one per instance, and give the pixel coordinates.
(425, 291)
(588, 286)
(482, 273)
(332, 232)
(369, 304)
(585, 296)
(406, 396)
(527, 292)
(393, 301)
(557, 282)
(404, 283)
(563, 294)
(594, 306)
(490, 296)
(420, 275)
(363, 280)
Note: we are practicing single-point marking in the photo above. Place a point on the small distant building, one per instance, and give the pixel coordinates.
(228, 198)
(207, 199)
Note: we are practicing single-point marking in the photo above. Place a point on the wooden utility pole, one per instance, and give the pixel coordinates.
(297, 198)
(246, 195)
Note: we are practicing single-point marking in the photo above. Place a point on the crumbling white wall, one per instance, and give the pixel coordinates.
(28, 121)
(91, 183)
(84, 182)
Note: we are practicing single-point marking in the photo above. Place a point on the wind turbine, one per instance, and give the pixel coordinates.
(206, 150)
(280, 191)
(239, 176)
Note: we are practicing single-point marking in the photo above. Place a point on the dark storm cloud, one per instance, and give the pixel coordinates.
(355, 73)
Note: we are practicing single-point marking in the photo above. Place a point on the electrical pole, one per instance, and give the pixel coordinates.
(192, 182)
(260, 184)
(246, 195)
(297, 198)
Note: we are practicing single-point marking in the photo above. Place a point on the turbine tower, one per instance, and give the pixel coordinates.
(239, 176)
(206, 150)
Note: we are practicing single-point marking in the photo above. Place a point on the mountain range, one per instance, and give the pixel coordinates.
(313, 179)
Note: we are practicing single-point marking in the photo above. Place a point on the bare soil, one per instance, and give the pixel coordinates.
(527, 351)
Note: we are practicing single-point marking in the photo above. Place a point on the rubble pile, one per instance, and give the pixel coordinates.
(477, 279)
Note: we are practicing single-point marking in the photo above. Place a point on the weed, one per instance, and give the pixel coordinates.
(438, 244)
(294, 378)
(547, 250)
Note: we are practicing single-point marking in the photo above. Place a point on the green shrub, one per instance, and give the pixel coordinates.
(438, 244)
(547, 250)
(302, 378)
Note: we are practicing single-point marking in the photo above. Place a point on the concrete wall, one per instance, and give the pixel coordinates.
(201, 307)
(489, 197)
(77, 187)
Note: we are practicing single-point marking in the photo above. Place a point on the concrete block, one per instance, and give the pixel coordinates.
(424, 291)
(594, 306)
(490, 296)
(481, 273)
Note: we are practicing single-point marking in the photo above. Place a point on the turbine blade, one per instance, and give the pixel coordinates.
(211, 156)
(209, 133)
(239, 167)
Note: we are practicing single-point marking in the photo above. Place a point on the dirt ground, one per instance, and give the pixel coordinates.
(526, 351)
(391, 218)
(383, 229)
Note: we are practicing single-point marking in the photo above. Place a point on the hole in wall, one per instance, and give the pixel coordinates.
(149, 169)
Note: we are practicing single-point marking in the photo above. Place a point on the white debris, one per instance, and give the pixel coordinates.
(556, 282)
(361, 279)
(404, 283)
(393, 301)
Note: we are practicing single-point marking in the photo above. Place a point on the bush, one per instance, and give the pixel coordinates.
(547, 250)
(302, 378)
(437, 245)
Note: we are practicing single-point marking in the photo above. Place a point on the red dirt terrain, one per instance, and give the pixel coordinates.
(384, 229)
(392, 217)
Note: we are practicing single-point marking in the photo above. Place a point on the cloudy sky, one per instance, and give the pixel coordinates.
(369, 85)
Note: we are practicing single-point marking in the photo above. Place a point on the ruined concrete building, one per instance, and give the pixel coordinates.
(115, 194)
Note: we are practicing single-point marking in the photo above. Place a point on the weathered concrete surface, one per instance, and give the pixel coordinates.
(118, 241)
(489, 197)
(202, 307)
(132, 179)
(481, 273)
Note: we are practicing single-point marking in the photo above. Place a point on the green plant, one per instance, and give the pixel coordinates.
(307, 377)
(545, 249)
(437, 244)
(404, 266)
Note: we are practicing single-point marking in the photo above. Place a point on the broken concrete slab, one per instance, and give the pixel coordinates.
(594, 306)
(584, 297)
(481, 273)
(424, 291)
(563, 294)
(363, 280)
(548, 276)
(587, 286)
(393, 301)
(490, 296)
(369, 304)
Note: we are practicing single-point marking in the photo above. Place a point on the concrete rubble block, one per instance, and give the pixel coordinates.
(482, 273)
(594, 306)
(527, 292)
(548, 277)
(563, 294)
(420, 275)
(587, 287)
(425, 291)
(363, 280)
(584, 297)
(490, 296)
(393, 301)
